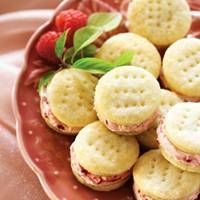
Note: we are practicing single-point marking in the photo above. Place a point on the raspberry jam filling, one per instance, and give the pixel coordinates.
(102, 179)
(95, 179)
(138, 128)
(185, 158)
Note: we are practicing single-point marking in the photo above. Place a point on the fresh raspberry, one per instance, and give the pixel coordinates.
(71, 20)
(46, 46)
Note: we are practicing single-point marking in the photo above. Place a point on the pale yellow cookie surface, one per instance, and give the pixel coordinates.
(70, 95)
(127, 95)
(102, 152)
(159, 179)
(162, 22)
(181, 67)
(182, 127)
(145, 54)
(168, 99)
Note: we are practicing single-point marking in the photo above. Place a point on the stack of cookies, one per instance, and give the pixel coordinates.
(113, 114)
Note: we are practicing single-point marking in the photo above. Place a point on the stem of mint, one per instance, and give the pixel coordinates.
(60, 44)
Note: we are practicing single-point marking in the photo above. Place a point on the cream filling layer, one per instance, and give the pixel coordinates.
(185, 158)
(92, 179)
(137, 128)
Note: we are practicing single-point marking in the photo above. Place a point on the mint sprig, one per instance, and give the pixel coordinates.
(84, 37)
(60, 44)
(88, 51)
(93, 65)
(100, 66)
(98, 23)
(83, 46)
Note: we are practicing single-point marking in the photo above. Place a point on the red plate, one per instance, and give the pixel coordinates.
(45, 152)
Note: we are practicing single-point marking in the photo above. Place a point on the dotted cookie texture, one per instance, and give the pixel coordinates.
(127, 95)
(161, 21)
(168, 100)
(145, 54)
(182, 127)
(158, 179)
(102, 152)
(70, 95)
(181, 67)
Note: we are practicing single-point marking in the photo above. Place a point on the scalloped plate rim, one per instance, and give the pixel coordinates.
(39, 173)
(27, 158)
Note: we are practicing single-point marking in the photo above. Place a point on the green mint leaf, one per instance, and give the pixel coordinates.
(44, 80)
(88, 51)
(104, 20)
(99, 66)
(60, 44)
(85, 36)
(93, 65)
(125, 59)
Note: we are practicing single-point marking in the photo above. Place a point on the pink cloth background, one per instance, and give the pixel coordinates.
(17, 181)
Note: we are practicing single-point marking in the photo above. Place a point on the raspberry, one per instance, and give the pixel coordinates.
(72, 20)
(46, 46)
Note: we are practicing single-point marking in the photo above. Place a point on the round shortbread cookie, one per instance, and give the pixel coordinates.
(158, 179)
(102, 152)
(182, 127)
(70, 95)
(127, 96)
(145, 54)
(178, 163)
(161, 21)
(149, 137)
(181, 67)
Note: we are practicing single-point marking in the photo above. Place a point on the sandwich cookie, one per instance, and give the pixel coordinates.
(101, 159)
(181, 68)
(157, 179)
(145, 54)
(179, 136)
(127, 100)
(149, 137)
(160, 21)
(67, 102)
